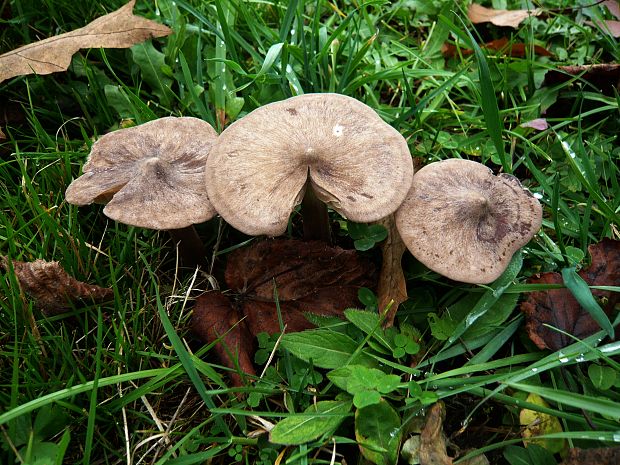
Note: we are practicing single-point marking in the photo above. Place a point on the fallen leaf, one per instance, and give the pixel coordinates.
(511, 18)
(499, 45)
(52, 288)
(609, 26)
(537, 424)
(309, 277)
(558, 307)
(614, 7)
(119, 29)
(604, 76)
(599, 456)
(540, 124)
(392, 285)
(432, 439)
(215, 318)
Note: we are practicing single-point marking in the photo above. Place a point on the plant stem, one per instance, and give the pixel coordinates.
(315, 217)
(190, 247)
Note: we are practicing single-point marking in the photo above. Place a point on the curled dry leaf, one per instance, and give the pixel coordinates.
(510, 18)
(392, 285)
(432, 439)
(52, 288)
(558, 307)
(308, 277)
(119, 29)
(216, 318)
(599, 456)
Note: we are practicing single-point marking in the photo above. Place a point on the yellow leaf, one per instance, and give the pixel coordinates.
(537, 423)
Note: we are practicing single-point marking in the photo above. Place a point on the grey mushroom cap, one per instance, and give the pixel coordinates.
(260, 166)
(465, 223)
(151, 175)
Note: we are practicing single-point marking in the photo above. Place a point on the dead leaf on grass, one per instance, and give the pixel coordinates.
(119, 29)
(605, 76)
(310, 277)
(538, 424)
(432, 439)
(506, 18)
(52, 288)
(614, 7)
(215, 318)
(558, 307)
(608, 26)
(392, 285)
(502, 45)
(599, 456)
(540, 124)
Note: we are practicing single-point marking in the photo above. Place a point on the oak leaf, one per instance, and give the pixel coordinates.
(510, 18)
(119, 29)
(52, 288)
(558, 307)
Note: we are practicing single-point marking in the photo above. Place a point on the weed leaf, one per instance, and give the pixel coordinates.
(318, 419)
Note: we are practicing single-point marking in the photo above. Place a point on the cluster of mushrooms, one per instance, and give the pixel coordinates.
(317, 150)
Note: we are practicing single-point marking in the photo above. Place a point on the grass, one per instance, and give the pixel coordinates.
(126, 381)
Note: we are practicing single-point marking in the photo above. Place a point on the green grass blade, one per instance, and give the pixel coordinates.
(580, 290)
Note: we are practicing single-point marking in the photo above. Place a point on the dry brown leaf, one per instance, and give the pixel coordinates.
(119, 29)
(214, 319)
(499, 45)
(510, 18)
(608, 26)
(310, 277)
(392, 285)
(560, 309)
(52, 288)
(614, 7)
(599, 456)
(604, 76)
(432, 439)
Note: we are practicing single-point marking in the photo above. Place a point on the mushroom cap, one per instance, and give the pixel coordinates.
(151, 175)
(465, 223)
(260, 166)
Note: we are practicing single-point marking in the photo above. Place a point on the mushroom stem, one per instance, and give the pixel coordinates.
(190, 247)
(315, 217)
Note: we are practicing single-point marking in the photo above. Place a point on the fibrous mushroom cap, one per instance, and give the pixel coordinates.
(465, 223)
(260, 166)
(151, 175)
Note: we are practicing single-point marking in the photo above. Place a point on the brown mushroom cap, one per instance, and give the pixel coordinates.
(465, 223)
(151, 175)
(258, 169)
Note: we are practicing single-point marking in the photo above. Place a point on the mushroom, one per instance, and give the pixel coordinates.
(152, 176)
(465, 223)
(317, 147)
